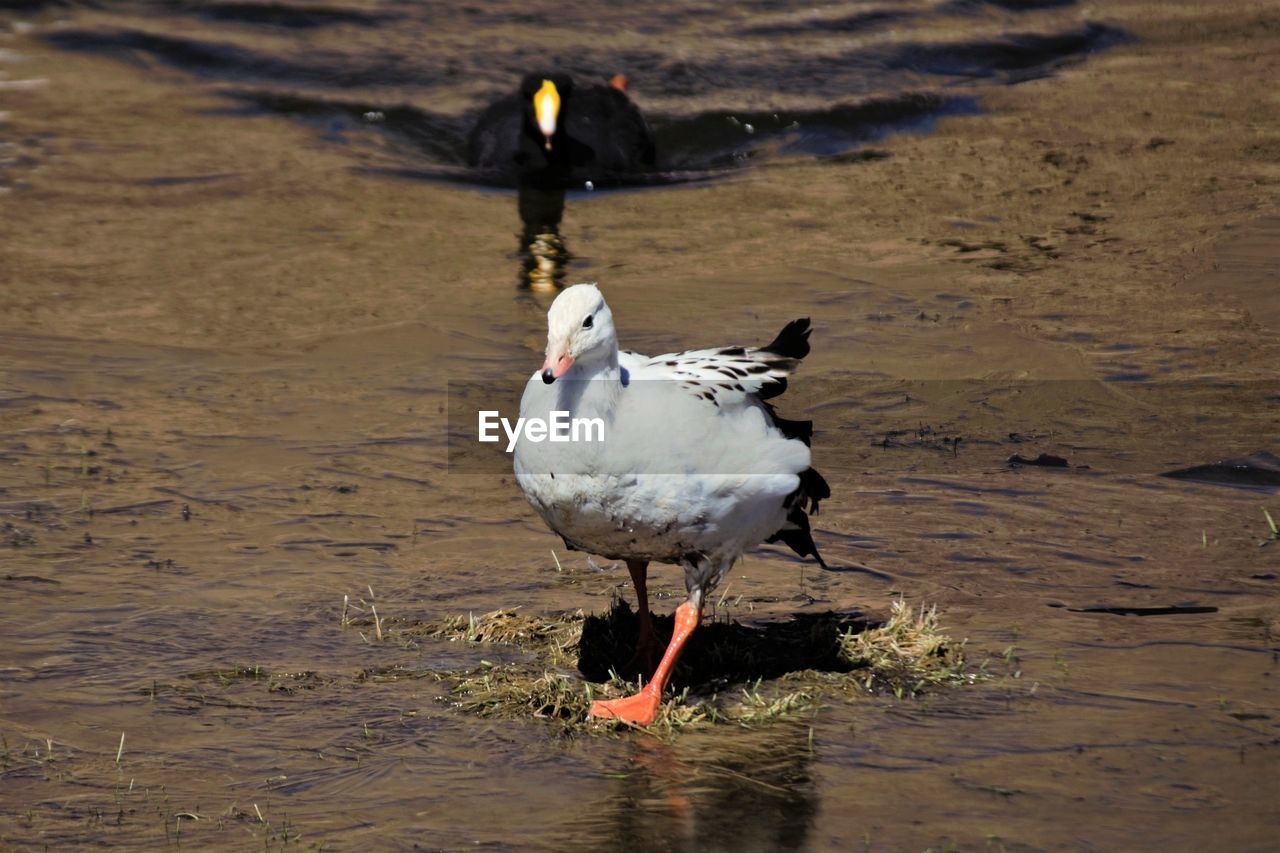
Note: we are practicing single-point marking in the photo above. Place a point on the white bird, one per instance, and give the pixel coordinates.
(693, 469)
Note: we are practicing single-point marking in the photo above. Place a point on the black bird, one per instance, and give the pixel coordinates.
(555, 135)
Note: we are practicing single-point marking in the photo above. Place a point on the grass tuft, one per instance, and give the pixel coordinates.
(512, 691)
(908, 654)
(730, 674)
(506, 626)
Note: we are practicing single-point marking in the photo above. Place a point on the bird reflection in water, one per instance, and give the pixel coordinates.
(751, 791)
(543, 255)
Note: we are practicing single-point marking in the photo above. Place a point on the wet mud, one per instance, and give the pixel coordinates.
(242, 263)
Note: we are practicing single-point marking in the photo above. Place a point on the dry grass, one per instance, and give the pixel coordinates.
(908, 654)
(746, 676)
(554, 634)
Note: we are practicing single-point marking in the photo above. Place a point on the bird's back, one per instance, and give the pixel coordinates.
(610, 124)
(495, 139)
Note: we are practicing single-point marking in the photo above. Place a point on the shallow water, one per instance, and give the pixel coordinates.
(234, 314)
(400, 83)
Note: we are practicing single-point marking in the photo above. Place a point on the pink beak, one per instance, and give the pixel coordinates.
(556, 365)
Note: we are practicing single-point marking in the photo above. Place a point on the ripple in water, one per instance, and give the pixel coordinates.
(400, 86)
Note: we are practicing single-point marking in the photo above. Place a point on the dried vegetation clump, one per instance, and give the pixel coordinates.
(730, 673)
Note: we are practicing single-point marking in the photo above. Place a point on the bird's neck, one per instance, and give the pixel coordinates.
(592, 389)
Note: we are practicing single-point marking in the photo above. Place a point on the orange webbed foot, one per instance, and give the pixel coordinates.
(638, 710)
(642, 708)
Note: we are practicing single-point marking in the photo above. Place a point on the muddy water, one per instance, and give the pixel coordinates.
(232, 309)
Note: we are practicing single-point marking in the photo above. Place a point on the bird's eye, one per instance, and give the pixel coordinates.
(589, 322)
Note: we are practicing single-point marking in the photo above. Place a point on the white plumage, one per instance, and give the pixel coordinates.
(694, 466)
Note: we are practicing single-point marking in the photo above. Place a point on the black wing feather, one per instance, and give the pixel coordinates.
(793, 343)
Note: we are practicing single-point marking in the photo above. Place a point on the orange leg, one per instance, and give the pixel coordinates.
(642, 708)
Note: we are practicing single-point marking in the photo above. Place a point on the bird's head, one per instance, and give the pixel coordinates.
(547, 94)
(579, 331)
